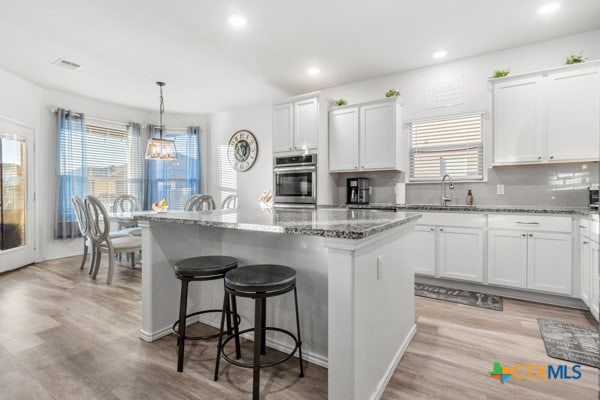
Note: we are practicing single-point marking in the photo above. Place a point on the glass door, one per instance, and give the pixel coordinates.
(16, 189)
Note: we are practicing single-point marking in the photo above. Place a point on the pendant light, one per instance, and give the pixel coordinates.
(161, 149)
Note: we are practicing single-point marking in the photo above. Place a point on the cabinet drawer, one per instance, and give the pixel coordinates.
(530, 223)
(453, 219)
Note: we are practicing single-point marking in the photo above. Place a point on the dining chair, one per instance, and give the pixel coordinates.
(230, 202)
(84, 227)
(103, 243)
(200, 202)
(127, 203)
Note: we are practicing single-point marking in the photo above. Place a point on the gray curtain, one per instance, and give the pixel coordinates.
(197, 166)
(71, 171)
(136, 168)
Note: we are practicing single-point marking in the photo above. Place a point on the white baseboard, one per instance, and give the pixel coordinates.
(309, 356)
(394, 364)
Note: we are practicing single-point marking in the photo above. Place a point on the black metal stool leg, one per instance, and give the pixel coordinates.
(236, 328)
(219, 345)
(228, 316)
(182, 314)
(263, 324)
(299, 339)
(258, 319)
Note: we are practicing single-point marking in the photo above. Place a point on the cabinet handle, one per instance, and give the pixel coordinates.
(552, 157)
(528, 223)
(441, 229)
(531, 235)
(524, 234)
(290, 148)
(540, 157)
(586, 242)
(432, 229)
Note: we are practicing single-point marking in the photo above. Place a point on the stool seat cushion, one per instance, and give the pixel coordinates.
(260, 278)
(204, 266)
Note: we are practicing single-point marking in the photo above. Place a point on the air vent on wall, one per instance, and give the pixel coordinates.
(66, 64)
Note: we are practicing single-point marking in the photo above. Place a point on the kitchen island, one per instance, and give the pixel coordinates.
(355, 293)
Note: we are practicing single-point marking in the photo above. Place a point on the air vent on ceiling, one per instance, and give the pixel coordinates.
(66, 64)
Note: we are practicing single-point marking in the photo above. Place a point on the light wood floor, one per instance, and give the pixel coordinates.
(64, 336)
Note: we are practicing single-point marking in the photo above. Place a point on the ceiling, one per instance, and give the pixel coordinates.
(125, 46)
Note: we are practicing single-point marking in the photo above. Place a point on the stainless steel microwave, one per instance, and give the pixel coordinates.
(295, 181)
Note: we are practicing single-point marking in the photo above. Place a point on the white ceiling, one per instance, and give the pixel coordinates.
(125, 46)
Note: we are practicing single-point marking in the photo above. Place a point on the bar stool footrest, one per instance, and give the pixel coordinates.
(265, 365)
(216, 335)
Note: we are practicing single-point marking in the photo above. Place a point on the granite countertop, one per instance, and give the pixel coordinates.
(340, 223)
(584, 211)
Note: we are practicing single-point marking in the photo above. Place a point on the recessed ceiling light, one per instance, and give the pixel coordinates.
(549, 8)
(440, 54)
(313, 71)
(237, 21)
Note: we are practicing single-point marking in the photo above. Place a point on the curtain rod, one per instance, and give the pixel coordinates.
(55, 110)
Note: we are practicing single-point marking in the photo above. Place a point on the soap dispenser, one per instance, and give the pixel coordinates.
(469, 198)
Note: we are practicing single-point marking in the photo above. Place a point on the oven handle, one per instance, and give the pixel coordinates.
(310, 168)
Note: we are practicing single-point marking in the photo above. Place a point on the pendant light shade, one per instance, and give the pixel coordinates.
(161, 149)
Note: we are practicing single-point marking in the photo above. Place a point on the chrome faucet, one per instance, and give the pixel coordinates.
(445, 199)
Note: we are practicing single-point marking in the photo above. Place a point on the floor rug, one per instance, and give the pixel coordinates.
(570, 342)
(466, 297)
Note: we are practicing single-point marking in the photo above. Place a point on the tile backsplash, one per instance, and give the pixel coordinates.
(556, 185)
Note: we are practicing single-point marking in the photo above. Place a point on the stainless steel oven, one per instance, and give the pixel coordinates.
(295, 181)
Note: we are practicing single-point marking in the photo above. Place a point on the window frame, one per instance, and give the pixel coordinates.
(483, 148)
(122, 128)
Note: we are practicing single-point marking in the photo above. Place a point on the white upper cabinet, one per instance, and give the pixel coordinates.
(366, 136)
(298, 123)
(378, 136)
(343, 131)
(574, 115)
(306, 124)
(283, 128)
(550, 116)
(518, 121)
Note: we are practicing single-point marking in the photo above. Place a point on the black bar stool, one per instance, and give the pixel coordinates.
(204, 268)
(259, 282)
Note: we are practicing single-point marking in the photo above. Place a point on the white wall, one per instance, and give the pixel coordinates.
(222, 126)
(473, 71)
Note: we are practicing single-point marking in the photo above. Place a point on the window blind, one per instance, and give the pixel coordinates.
(448, 145)
(109, 168)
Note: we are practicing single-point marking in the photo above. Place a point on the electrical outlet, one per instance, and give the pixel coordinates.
(499, 189)
(379, 268)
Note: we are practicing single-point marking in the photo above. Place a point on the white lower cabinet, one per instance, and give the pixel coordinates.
(447, 252)
(507, 258)
(461, 253)
(549, 262)
(421, 255)
(585, 270)
(595, 278)
(532, 260)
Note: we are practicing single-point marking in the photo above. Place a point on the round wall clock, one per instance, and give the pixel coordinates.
(243, 150)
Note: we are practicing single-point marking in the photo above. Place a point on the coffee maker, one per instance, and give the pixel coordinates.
(357, 191)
